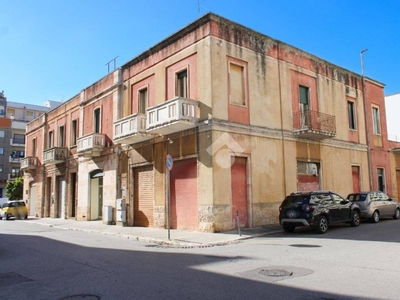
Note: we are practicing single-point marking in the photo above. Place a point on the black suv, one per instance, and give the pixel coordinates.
(316, 209)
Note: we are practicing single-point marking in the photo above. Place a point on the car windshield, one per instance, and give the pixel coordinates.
(357, 197)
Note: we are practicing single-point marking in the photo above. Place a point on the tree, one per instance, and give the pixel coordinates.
(14, 189)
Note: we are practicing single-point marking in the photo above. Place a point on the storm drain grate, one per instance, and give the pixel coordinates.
(81, 297)
(12, 278)
(275, 273)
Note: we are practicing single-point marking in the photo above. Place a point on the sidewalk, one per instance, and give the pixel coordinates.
(178, 238)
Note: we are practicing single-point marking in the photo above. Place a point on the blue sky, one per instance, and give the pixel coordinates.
(52, 49)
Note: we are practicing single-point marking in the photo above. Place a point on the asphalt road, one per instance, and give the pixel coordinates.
(39, 262)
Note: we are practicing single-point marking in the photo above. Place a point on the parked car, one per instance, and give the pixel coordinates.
(375, 205)
(317, 209)
(16, 209)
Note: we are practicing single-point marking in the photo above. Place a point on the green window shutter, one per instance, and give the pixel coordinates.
(303, 94)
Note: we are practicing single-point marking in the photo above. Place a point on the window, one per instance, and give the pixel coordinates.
(237, 89)
(182, 84)
(61, 136)
(2, 133)
(97, 120)
(1, 151)
(18, 154)
(34, 147)
(142, 101)
(381, 179)
(337, 199)
(11, 111)
(352, 116)
(304, 98)
(29, 113)
(376, 120)
(19, 139)
(16, 172)
(74, 130)
(50, 142)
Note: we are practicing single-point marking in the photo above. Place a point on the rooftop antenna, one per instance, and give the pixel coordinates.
(108, 64)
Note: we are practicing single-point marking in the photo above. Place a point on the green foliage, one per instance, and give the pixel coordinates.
(14, 189)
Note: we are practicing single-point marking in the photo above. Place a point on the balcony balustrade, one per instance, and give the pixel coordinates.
(131, 129)
(54, 155)
(172, 116)
(28, 163)
(91, 145)
(314, 125)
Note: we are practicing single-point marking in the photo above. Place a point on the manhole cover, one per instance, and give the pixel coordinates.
(275, 273)
(81, 297)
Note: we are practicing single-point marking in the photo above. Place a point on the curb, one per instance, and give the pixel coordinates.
(160, 242)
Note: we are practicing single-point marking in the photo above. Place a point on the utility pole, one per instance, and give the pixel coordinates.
(366, 121)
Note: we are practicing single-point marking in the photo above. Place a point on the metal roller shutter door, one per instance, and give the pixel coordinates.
(144, 197)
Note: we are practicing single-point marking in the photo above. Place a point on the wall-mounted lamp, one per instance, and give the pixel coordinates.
(170, 141)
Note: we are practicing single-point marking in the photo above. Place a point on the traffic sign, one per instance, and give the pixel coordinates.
(169, 162)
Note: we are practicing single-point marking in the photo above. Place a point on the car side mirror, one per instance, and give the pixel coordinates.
(344, 201)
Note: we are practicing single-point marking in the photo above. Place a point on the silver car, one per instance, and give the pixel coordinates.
(375, 205)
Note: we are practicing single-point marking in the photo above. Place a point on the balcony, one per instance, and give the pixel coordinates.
(131, 129)
(54, 155)
(15, 175)
(17, 142)
(28, 163)
(172, 116)
(91, 145)
(314, 125)
(15, 159)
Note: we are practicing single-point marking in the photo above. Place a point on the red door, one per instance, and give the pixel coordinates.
(239, 192)
(355, 173)
(183, 194)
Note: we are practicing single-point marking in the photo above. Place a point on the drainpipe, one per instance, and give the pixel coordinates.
(282, 133)
(366, 120)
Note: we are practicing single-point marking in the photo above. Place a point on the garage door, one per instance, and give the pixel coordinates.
(144, 197)
(183, 195)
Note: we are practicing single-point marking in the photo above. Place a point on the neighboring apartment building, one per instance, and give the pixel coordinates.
(13, 120)
(246, 119)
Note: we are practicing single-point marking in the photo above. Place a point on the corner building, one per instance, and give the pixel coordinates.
(247, 119)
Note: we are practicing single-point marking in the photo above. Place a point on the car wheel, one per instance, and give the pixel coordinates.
(288, 228)
(397, 214)
(375, 217)
(322, 224)
(355, 220)
(25, 217)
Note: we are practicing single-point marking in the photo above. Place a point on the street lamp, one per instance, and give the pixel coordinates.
(366, 119)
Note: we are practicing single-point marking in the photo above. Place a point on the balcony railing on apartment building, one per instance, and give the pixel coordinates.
(131, 129)
(91, 145)
(15, 159)
(28, 163)
(314, 125)
(13, 176)
(17, 142)
(54, 155)
(172, 116)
